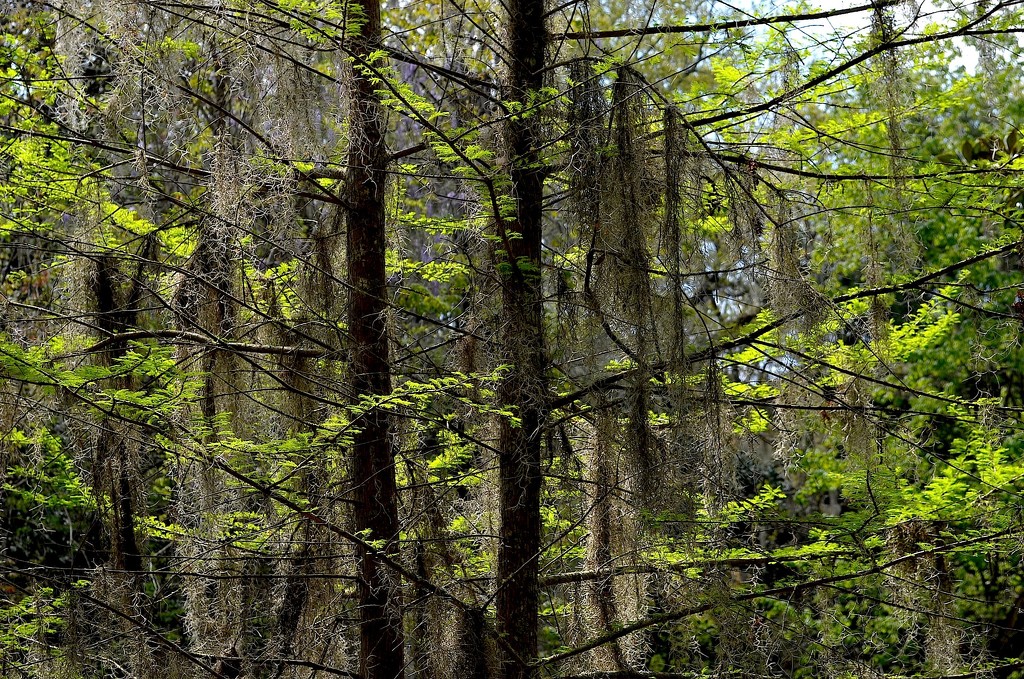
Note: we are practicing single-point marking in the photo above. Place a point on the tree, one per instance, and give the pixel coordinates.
(366, 339)
(518, 262)
(376, 513)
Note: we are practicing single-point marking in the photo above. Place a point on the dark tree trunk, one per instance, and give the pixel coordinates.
(518, 262)
(376, 512)
(117, 313)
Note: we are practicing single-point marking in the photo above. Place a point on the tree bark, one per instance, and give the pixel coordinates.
(115, 313)
(376, 511)
(518, 262)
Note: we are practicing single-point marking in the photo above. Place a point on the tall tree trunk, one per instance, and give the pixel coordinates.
(376, 512)
(117, 313)
(521, 339)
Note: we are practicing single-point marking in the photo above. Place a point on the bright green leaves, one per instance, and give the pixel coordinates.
(752, 418)
(54, 485)
(473, 391)
(973, 481)
(321, 22)
(97, 388)
(39, 184)
(930, 326)
(39, 170)
(35, 616)
(765, 503)
(437, 271)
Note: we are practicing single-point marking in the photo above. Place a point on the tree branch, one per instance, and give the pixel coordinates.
(723, 25)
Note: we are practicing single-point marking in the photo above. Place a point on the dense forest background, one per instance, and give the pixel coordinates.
(511, 339)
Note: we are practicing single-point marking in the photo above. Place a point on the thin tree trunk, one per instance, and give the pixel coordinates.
(521, 341)
(376, 512)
